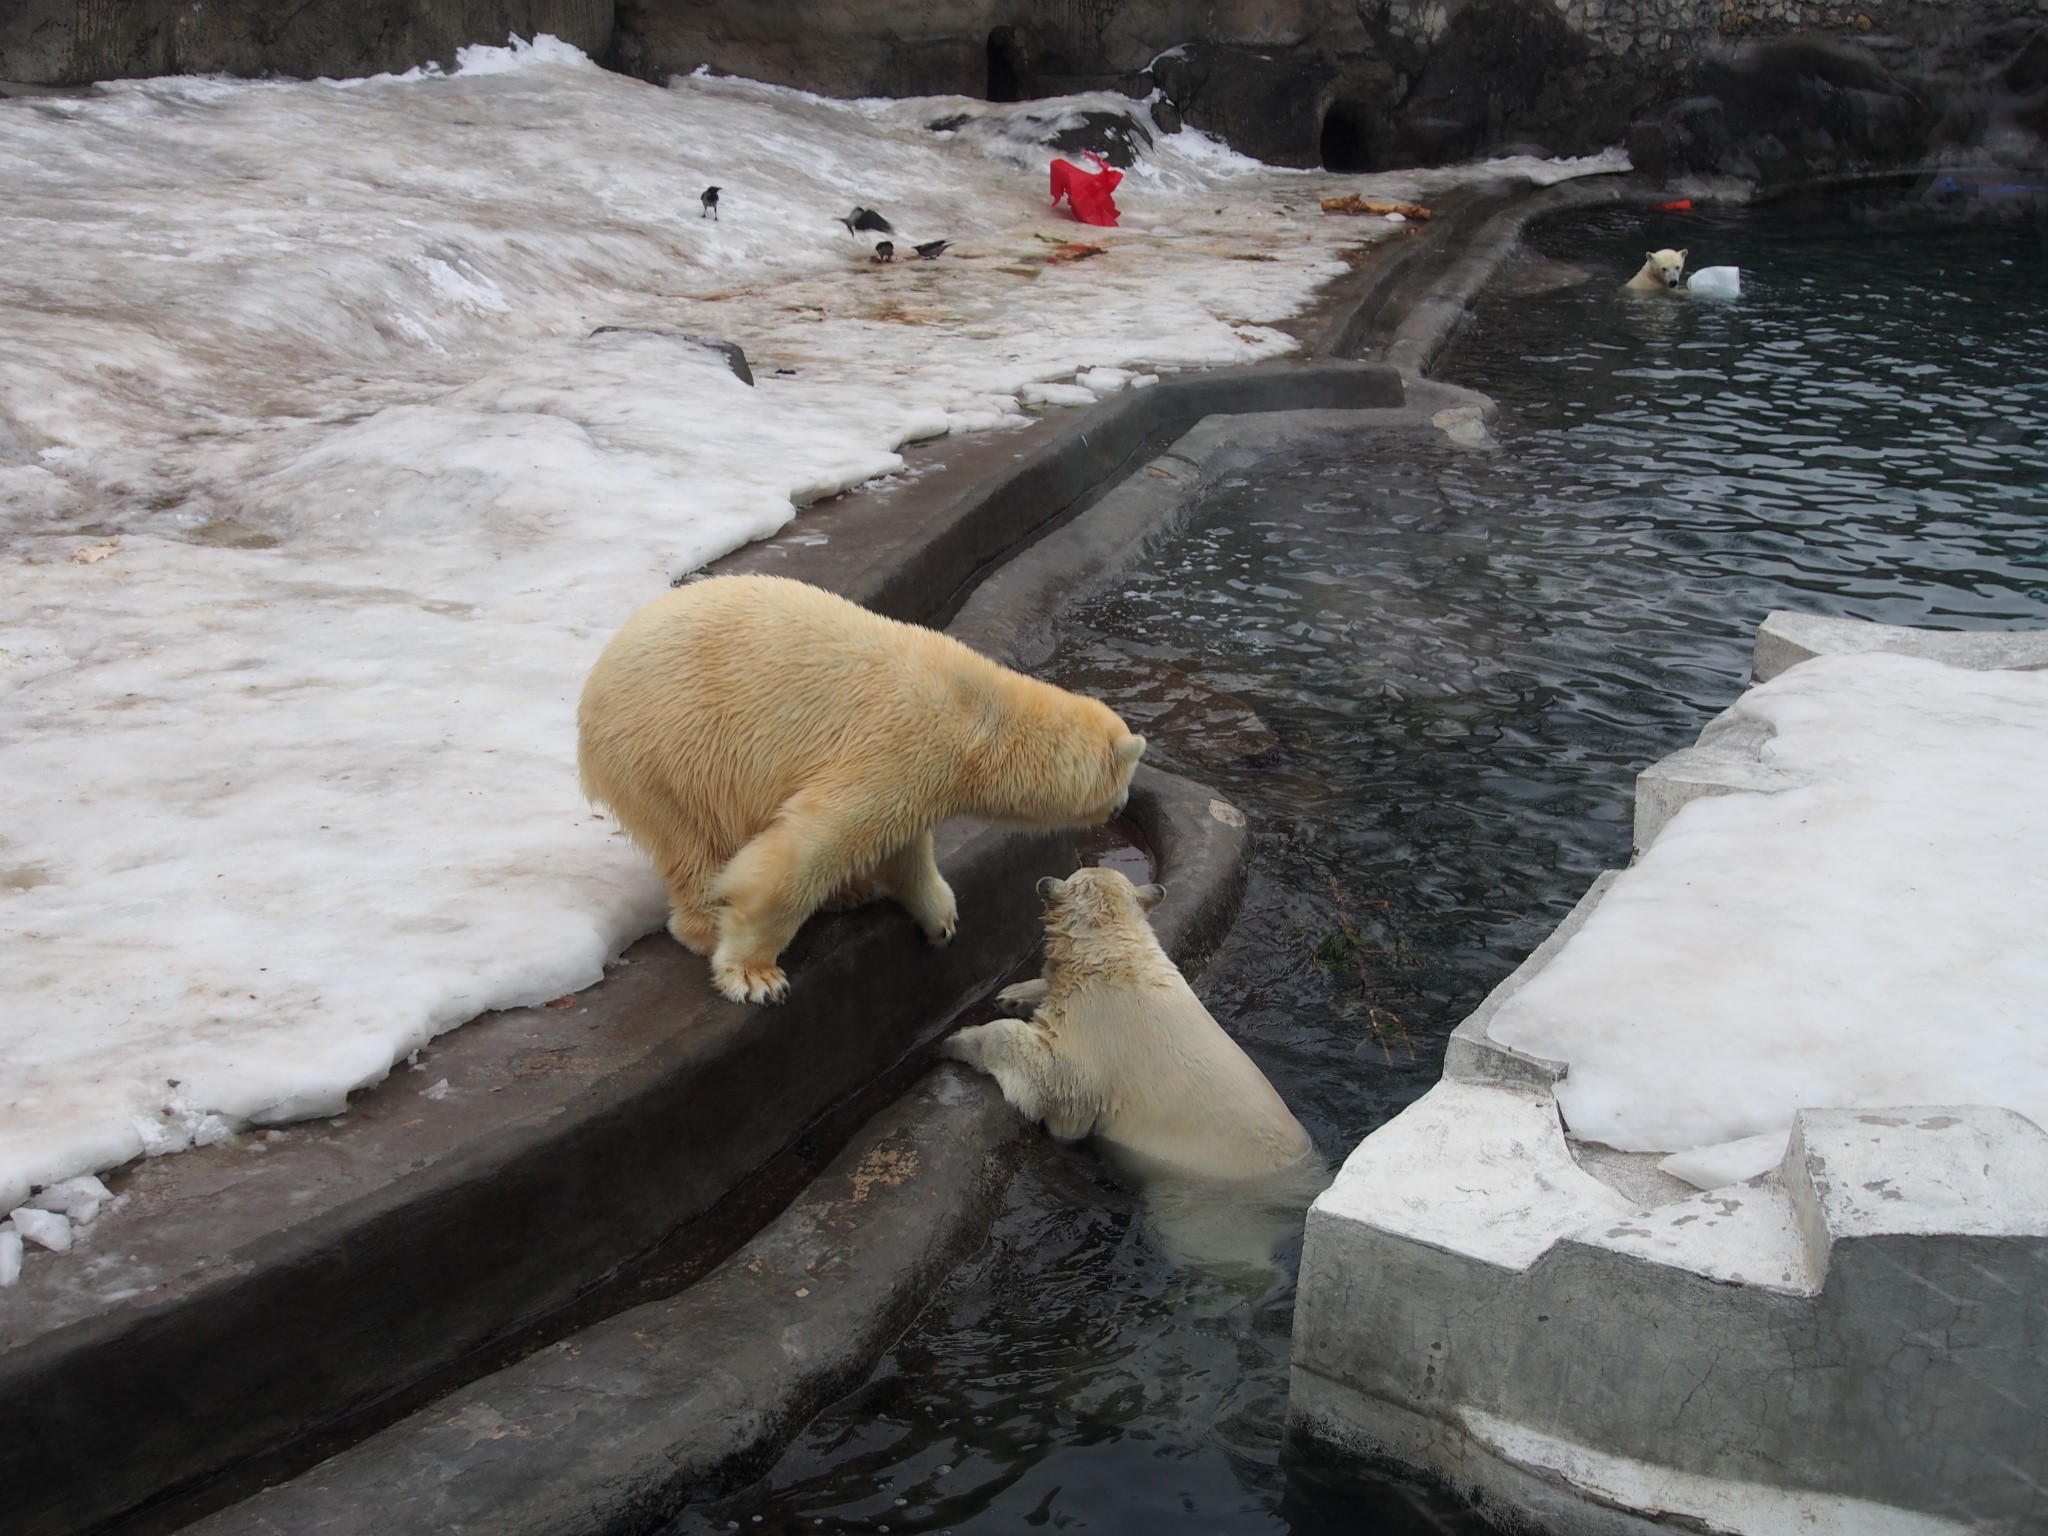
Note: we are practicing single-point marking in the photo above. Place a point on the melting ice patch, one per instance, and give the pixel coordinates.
(291, 782)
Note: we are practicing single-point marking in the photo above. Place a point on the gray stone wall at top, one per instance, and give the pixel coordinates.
(1777, 90)
(73, 42)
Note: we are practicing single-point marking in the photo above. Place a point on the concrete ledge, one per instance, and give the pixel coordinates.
(295, 1283)
(1463, 1282)
(913, 551)
(617, 1426)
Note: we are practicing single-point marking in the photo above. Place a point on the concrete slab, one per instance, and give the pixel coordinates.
(1851, 1342)
(1784, 640)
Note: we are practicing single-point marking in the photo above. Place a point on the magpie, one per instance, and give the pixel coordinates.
(867, 219)
(709, 198)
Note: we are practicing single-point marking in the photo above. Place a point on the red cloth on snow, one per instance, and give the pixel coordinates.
(1086, 192)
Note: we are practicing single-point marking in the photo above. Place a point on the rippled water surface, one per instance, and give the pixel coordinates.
(1429, 678)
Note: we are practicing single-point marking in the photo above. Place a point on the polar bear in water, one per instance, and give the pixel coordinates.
(1113, 1043)
(1661, 271)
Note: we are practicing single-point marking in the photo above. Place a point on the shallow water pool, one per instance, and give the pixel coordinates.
(1429, 679)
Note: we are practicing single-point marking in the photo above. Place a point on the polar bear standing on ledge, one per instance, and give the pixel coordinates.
(774, 748)
(1116, 1044)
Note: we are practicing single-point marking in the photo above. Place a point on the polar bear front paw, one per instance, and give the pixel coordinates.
(1021, 1000)
(751, 983)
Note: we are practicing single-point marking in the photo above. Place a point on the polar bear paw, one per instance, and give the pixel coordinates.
(751, 983)
(1022, 1000)
(939, 932)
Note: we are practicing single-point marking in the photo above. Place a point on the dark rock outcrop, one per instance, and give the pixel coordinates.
(73, 42)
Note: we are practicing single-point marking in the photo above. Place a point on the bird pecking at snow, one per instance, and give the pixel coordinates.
(867, 220)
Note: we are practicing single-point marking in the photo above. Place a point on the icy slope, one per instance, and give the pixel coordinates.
(318, 498)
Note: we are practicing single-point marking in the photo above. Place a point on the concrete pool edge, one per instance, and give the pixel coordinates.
(1535, 1323)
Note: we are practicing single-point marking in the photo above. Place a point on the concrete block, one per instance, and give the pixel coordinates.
(1785, 639)
(1851, 1343)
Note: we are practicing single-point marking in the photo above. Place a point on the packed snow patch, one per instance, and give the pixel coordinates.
(309, 369)
(1870, 935)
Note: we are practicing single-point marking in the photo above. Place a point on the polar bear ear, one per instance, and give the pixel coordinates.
(1681, 255)
(1130, 749)
(1149, 896)
(1048, 888)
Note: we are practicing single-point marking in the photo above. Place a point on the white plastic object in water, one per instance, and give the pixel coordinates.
(1717, 282)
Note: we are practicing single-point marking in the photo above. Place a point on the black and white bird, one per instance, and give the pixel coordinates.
(932, 250)
(885, 250)
(866, 219)
(709, 198)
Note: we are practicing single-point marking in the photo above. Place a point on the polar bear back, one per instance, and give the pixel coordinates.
(1168, 1084)
(748, 689)
(719, 702)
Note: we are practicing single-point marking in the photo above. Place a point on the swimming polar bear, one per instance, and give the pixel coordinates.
(775, 748)
(1112, 1042)
(1661, 270)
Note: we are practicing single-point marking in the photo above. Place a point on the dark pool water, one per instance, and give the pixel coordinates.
(1429, 679)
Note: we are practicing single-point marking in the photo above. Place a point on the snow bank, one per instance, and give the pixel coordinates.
(319, 497)
(1869, 936)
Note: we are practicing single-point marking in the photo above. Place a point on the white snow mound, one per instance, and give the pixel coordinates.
(1870, 936)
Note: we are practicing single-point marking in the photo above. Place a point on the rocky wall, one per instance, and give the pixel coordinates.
(74, 42)
(1778, 91)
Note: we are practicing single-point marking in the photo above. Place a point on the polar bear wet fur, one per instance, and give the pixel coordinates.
(1117, 1045)
(1660, 272)
(775, 748)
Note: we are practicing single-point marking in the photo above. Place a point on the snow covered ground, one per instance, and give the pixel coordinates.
(318, 497)
(1869, 935)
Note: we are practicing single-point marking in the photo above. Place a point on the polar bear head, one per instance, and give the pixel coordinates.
(1055, 759)
(1096, 904)
(1663, 268)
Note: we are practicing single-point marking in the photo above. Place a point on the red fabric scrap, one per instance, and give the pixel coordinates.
(1682, 205)
(1087, 192)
